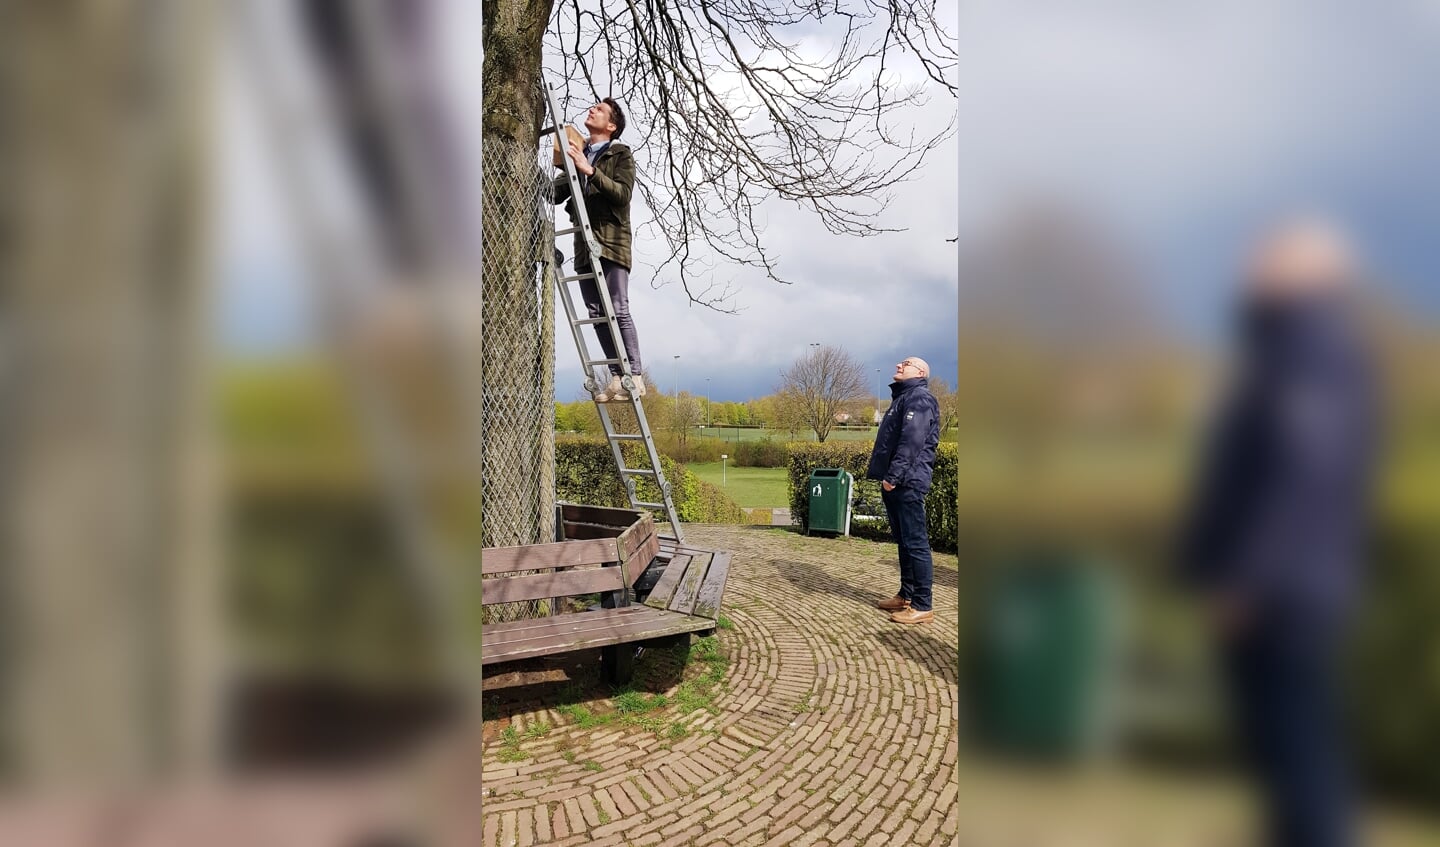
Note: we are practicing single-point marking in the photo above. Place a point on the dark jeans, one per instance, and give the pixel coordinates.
(1280, 678)
(905, 507)
(617, 279)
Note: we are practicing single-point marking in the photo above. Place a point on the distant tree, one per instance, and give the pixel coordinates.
(949, 403)
(788, 414)
(761, 411)
(577, 416)
(821, 384)
(1058, 331)
(722, 412)
(687, 412)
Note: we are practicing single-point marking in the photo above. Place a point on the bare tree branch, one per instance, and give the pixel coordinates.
(732, 105)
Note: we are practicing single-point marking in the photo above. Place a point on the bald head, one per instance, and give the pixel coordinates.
(1299, 258)
(911, 367)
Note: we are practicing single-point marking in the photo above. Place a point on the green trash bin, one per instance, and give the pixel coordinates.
(1043, 658)
(828, 491)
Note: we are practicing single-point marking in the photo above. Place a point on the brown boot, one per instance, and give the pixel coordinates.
(909, 615)
(894, 604)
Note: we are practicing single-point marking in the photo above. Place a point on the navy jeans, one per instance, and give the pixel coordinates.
(905, 507)
(1280, 676)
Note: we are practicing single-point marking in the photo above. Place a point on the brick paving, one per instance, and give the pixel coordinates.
(835, 726)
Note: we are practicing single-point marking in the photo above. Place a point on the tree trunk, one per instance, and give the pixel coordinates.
(109, 578)
(517, 349)
(514, 31)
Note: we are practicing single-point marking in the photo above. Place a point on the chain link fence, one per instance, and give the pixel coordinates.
(517, 354)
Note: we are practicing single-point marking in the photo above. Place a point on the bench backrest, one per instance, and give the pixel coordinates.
(613, 548)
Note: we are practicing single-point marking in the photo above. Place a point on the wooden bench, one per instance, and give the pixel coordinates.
(606, 552)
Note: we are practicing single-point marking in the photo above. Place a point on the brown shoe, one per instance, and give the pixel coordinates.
(909, 615)
(894, 604)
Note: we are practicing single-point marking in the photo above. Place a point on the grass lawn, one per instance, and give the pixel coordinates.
(732, 435)
(729, 434)
(757, 487)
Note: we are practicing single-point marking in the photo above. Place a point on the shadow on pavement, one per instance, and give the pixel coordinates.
(571, 679)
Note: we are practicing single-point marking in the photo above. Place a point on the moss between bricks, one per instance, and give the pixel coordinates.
(637, 709)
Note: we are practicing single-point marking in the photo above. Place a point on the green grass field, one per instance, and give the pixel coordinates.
(729, 434)
(750, 487)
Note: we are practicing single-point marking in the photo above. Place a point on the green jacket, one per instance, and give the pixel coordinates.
(607, 201)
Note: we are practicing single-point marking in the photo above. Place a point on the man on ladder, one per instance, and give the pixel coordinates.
(607, 177)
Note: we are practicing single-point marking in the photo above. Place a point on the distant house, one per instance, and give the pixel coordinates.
(842, 417)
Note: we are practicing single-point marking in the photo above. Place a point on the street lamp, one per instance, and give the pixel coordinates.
(707, 402)
(677, 388)
(723, 465)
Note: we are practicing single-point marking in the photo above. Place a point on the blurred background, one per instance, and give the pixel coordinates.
(1118, 158)
(229, 572)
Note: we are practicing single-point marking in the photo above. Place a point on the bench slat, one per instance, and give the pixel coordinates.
(592, 531)
(660, 595)
(511, 628)
(707, 603)
(548, 585)
(534, 557)
(655, 625)
(635, 535)
(577, 513)
(597, 619)
(640, 559)
(685, 594)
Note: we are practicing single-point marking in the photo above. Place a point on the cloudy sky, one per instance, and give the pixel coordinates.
(1175, 127)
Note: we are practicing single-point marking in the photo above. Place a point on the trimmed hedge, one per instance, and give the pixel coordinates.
(761, 454)
(853, 456)
(1394, 681)
(697, 450)
(585, 473)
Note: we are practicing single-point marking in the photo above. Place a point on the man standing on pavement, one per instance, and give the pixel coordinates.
(606, 168)
(1275, 538)
(903, 461)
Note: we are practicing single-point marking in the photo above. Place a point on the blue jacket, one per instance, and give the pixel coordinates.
(1279, 515)
(904, 453)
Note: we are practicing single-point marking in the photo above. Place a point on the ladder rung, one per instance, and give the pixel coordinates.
(626, 437)
(586, 321)
(651, 505)
(547, 130)
(639, 471)
(568, 231)
(603, 362)
(590, 275)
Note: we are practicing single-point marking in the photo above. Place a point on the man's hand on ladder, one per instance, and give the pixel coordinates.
(577, 155)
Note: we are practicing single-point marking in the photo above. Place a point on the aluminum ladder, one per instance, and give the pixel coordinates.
(628, 379)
